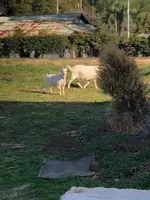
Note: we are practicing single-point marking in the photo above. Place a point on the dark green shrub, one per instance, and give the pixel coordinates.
(80, 43)
(119, 76)
(136, 46)
(141, 45)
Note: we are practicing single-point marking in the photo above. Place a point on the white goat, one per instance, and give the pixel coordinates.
(58, 80)
(81, 72)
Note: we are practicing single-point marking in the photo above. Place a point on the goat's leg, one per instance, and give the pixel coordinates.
(95, 83)
(79, 84)
(42, 89)
(86, 84)
(59, 89)
(69, 83)
(51, 91)
(63, 90)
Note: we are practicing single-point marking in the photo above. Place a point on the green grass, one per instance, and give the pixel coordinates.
(146, 74)
(29, 119)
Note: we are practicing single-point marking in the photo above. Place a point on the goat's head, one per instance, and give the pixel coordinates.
(68, 67)
(64, 72)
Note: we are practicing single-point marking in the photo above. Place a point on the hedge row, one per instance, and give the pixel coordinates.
(78, 43)
(24, 46)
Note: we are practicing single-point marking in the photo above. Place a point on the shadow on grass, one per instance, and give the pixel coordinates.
(68, 127)
(31, 131)
(37, 92)
(73, 85)
(31, 91)
(44, 92)
(62, 122)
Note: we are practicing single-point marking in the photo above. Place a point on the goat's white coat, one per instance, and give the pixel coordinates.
(100, 193)
(83, 72)
(54, 80)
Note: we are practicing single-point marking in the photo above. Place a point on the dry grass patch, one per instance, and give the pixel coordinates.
(62, 61)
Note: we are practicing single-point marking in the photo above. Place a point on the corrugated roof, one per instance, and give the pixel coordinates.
(44, 24)
(53, 17)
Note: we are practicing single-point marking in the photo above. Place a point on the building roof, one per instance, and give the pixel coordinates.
(48, 24)
(53, 17)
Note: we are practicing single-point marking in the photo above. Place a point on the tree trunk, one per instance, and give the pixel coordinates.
(122, 29)
(116, 26)
(120, 17)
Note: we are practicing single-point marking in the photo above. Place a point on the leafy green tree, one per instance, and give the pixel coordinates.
(25, 7)
(44, 6)
(114, 13)
(68, 6)
(21, 7)
(103, 36)
(142, 22)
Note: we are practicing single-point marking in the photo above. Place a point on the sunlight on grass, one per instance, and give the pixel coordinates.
(23, 83)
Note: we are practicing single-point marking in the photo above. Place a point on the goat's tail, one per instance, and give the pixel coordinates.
(68, 66)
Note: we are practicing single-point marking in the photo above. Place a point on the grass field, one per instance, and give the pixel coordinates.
(34, 126)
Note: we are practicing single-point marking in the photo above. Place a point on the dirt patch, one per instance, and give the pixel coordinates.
(142, 61)
(63, 61)
(14, 92)
(57, 62)
(147, 82)
(61, 144)
(67, 142)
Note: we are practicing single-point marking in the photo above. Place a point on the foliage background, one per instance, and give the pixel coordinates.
(78, 44)
(111, 12)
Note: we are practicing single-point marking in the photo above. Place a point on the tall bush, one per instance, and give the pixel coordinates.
(119, 76)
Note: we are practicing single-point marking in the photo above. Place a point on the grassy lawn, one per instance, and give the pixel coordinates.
(30, 121)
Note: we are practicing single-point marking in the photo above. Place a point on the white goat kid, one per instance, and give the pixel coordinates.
(82, 72)
(56, 80)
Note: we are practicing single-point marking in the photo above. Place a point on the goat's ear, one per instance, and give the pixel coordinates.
(65, 68)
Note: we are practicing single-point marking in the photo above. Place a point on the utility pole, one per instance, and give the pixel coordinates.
(57, 8)
(81, 6)
(128, 13)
